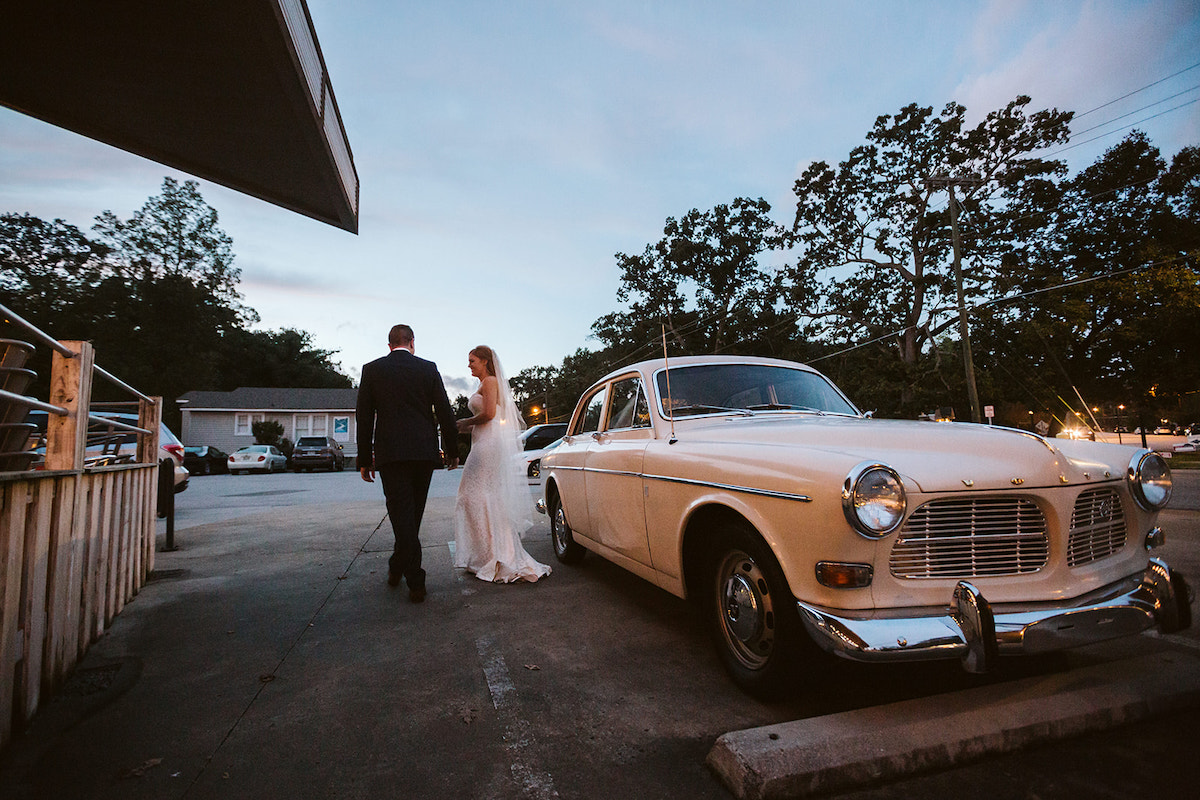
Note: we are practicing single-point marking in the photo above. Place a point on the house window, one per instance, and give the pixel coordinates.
(310, 424)
(242, 423)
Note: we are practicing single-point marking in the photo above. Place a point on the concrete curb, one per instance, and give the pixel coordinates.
(840, 751)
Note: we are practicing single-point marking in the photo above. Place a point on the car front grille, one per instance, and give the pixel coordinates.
(969, 538)
(1097, 527)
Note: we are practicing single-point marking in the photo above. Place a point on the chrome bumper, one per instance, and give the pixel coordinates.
(970, 630)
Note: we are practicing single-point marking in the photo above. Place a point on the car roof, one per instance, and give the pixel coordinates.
(653, 365)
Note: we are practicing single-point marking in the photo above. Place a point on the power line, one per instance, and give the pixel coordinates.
(1136, 91)
(1073, 145)
(1140, 110)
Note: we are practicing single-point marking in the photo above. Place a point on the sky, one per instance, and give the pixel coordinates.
(508, 151)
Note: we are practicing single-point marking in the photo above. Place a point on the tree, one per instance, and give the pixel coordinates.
(874, 231)
(175, 234)
(49, 274)
(1109, 288)
(286, 357)
(533, 386)
(46, 267)
(704, 282)
(267, 431)
(157, 296)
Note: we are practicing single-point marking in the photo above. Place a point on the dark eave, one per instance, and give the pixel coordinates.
(232, 91)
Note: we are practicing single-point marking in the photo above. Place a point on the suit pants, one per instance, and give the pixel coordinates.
(405, 488)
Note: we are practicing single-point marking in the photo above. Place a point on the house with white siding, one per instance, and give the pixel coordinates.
(225, 419)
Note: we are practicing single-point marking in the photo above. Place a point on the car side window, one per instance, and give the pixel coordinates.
(627, 405)
(589, 420)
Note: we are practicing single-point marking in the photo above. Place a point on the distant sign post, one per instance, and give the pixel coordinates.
(989, 412)
(1043, 427)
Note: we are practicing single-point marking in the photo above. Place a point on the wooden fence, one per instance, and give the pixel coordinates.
(76, 542)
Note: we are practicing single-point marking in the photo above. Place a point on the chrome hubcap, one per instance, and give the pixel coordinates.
(558, 528)
(746, 609)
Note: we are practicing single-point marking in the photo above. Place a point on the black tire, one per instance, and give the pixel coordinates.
(566, 549)
(751, 614)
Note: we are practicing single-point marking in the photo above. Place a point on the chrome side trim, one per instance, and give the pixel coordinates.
(1159, 597)
(800, 498)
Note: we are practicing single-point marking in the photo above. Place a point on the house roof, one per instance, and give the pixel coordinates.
(232, 91)
(257, 398)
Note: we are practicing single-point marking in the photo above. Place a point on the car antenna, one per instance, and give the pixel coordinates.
(667, 369)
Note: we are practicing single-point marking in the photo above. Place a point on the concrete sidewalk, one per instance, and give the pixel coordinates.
(267, 658)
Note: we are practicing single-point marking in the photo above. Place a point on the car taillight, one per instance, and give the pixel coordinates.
(174, 449)
(231, 458)
(262, 458)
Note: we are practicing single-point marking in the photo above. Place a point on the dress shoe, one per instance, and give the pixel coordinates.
(417, 595)
(393, 578)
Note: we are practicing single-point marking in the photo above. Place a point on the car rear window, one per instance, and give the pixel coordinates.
(311, 441)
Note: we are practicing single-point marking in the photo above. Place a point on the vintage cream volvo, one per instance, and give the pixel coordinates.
(756, 487)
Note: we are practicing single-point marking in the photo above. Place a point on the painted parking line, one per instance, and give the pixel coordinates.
(518, 736)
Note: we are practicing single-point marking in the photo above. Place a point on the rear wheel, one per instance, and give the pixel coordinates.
(566, 549)
(751, 614)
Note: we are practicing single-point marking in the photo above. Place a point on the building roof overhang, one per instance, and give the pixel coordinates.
(232, 91)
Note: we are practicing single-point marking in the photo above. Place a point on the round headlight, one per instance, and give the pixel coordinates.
(1150, 480)
(873, 499)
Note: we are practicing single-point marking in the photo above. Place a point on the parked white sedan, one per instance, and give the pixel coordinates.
(258, 458)
(756, 487)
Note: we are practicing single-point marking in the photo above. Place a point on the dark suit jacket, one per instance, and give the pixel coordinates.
(401, 405)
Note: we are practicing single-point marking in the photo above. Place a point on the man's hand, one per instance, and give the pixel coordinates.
(368, 474)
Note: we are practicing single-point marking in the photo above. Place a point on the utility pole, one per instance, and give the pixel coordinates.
(948, 183)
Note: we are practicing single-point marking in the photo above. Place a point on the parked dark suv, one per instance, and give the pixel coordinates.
(312, 452)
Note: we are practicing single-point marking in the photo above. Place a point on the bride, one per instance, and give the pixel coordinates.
(493, 500)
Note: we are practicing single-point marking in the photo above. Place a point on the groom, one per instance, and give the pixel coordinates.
(402, 404)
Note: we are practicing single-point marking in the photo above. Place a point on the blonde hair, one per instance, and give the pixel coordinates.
(485, 354)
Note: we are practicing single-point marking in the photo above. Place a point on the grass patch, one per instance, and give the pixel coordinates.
(1185, 461)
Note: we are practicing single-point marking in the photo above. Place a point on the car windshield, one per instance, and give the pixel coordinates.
(195, 451)
(747, 388)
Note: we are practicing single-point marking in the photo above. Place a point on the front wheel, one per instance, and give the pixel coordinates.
(566, 549)
(751, 615)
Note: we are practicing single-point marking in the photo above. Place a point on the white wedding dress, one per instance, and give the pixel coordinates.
(493, 508)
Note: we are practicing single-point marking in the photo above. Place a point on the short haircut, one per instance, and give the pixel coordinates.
(400, 336)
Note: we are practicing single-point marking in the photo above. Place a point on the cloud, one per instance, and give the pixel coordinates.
(456, 386)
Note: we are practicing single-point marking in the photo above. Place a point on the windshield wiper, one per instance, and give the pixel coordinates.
(784, 407)
(701, 408)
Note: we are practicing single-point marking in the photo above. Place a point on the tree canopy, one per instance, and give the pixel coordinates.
(157, 294)
(1084, 285)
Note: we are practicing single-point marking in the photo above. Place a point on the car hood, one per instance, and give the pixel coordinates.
(939, 457)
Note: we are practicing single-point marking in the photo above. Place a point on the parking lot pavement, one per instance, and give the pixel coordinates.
(269, 658)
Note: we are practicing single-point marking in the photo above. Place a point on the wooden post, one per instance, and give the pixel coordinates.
(150, 418)
(71, 388)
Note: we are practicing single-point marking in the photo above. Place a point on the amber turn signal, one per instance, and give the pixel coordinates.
(837, 575)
